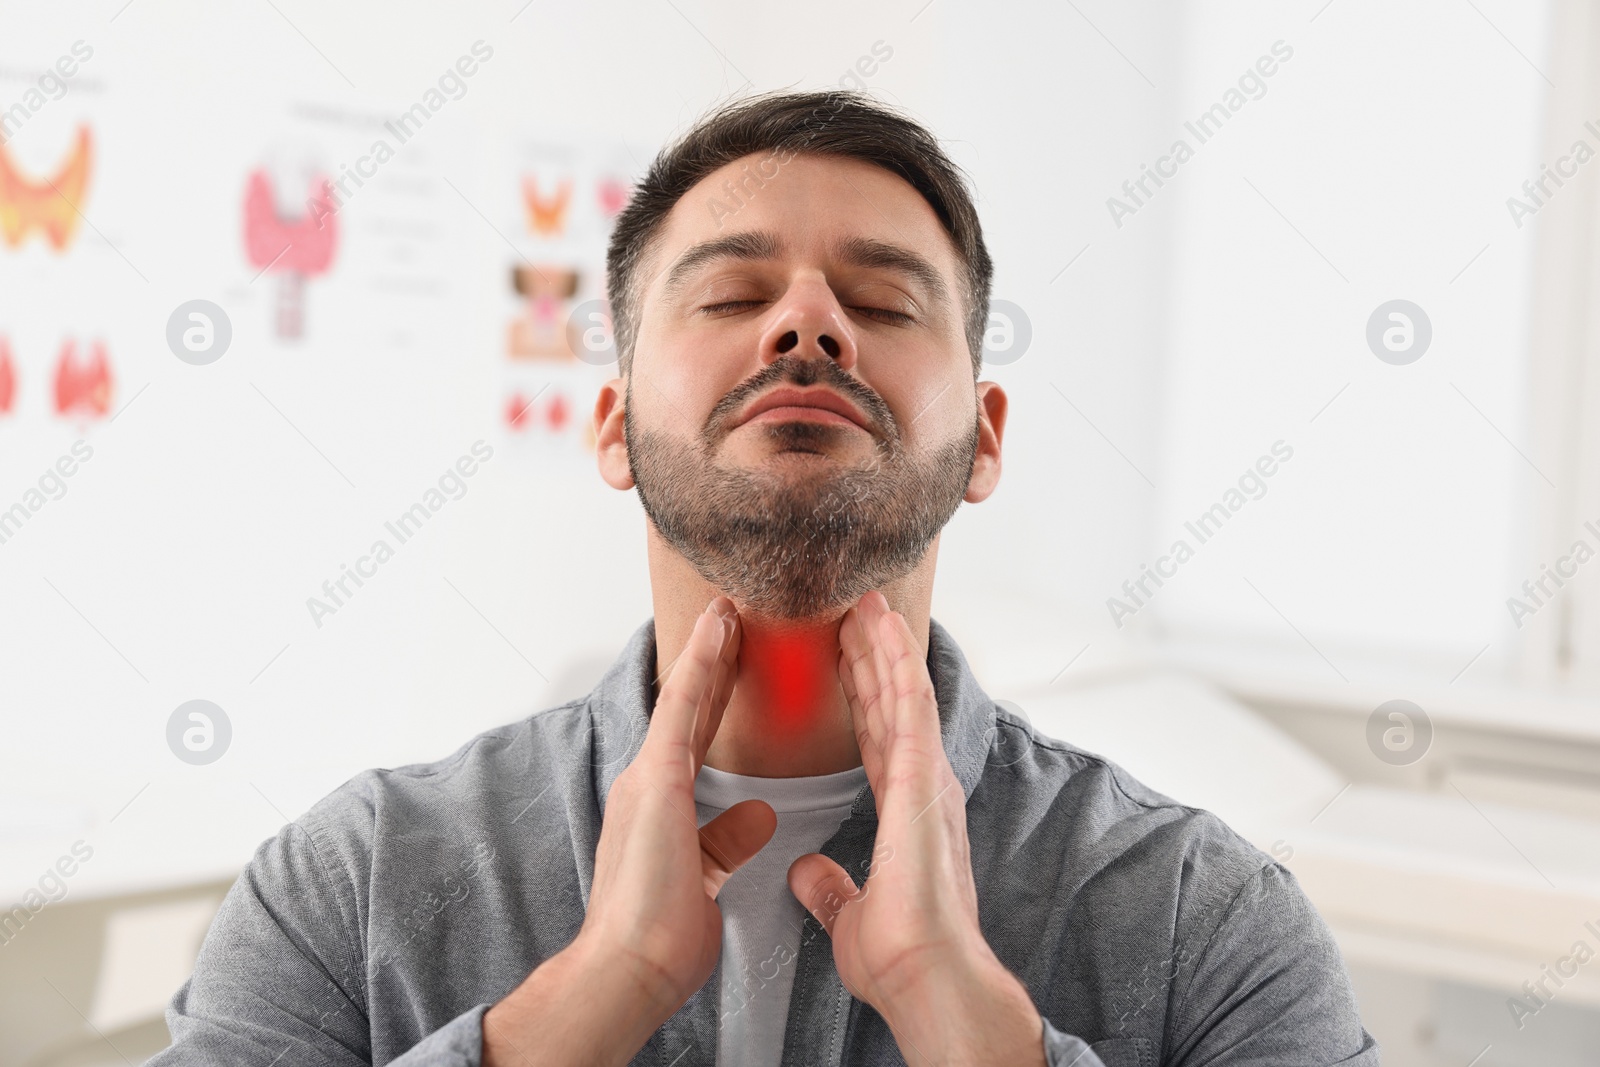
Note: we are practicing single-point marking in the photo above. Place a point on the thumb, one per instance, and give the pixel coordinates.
(822, 887)
(730, 840)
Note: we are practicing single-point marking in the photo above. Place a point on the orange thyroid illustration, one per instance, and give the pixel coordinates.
(49, 205)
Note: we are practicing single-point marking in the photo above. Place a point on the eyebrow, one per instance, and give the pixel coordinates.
(762, 245)
(750, 246)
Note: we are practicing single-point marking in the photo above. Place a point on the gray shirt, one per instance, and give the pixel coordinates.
(763, 923)
(379, 926)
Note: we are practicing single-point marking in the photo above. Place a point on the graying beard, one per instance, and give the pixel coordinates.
(857, 534)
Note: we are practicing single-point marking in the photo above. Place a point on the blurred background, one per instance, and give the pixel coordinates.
(1301, 503)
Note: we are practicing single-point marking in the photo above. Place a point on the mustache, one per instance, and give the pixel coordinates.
(802, 372)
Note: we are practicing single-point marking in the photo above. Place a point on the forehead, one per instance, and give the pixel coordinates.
(815, 206)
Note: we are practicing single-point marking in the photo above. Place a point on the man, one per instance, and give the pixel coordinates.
(787, 827)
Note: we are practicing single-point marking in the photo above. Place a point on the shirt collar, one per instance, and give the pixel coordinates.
(621, 702)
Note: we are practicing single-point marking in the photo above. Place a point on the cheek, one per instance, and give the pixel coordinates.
(679, 377)
(931, 410)
(693, 368)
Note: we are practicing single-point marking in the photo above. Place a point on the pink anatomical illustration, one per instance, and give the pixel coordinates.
(83, 387)
(547, 413)
(544, 330)
(613, 194)
(292, 248)
(8, 377)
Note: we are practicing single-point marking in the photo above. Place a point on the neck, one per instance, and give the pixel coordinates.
(787, 716)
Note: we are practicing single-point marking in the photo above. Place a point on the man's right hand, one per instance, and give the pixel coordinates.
(653, 930)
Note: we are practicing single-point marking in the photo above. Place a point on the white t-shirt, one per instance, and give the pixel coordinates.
(761, 919)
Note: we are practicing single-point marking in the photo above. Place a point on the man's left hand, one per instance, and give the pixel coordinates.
(908, 940)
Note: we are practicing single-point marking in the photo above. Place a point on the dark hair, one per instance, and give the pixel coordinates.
(830, 122)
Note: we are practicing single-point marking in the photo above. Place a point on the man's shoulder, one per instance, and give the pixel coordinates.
(477, 784)
(1141, 886)
(1024, 758)
(1090, 809)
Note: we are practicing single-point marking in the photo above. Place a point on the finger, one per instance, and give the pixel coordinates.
(914, 702)
(855, 643)
(673, 722)
(822, 887)
(720, 607)
(725, 678)
(866, 744)
(886, 702)
(733, 838)
(852, 646)
(858, 680)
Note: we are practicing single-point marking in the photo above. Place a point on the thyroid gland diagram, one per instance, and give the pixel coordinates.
(49, 204)
(547, 213)
(8, 377)
(293, 249)
(553, 416)
(613, 193)
(545, 331)
(83, 387)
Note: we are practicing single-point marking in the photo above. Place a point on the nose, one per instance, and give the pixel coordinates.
(810, 324)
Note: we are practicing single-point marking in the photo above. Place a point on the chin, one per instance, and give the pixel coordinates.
(788, 452)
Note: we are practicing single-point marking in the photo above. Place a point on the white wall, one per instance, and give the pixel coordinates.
(178, 564)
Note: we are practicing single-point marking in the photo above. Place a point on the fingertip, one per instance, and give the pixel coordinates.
(754, 804)
(798, 861)
(712, 619)
(801, 883)
(759, 816)
(727, 613)
(817, 883)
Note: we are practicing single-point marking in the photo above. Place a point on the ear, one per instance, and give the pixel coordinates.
(610, 445)
(991, 427)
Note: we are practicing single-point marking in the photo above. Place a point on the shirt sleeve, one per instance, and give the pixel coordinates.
(278, 980)
(1268, 988)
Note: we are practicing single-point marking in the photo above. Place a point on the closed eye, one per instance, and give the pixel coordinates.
(899, 317)
(892, 316)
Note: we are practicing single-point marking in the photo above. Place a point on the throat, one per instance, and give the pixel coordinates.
(787, 717)
(788, 675)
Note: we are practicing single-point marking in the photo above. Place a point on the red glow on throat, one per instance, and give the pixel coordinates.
(787, 676)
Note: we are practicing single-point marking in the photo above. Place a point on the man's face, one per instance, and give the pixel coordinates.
(830, 286)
